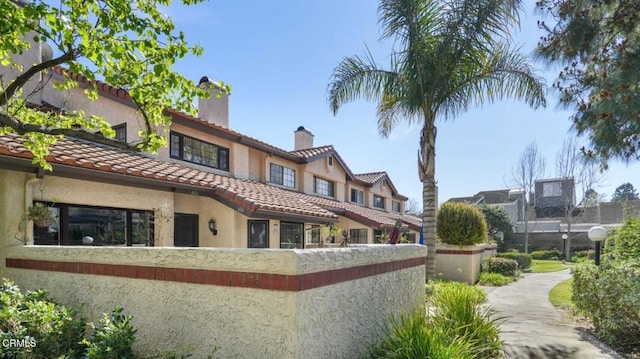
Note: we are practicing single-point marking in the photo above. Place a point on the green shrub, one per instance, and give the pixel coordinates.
(552, 254)
(113, 339)
(505, 266)
(411, 337)
(57, 331)
(608, 295)
(461, 224)
(624, 243)
(54, 328)
(459, 306)
(494, 279)
(458, 326)
(583, 255)
(523, 259)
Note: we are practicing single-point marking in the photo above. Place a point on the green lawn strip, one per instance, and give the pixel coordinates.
(560, 295)
(545, 266)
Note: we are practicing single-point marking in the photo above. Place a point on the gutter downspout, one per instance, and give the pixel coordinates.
(28, 199)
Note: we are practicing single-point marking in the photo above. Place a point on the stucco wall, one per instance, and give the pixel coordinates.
(459, 263)
(336, 309)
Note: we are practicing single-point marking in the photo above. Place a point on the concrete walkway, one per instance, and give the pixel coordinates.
(533, 328)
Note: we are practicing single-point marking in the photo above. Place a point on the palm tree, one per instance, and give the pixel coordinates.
(450, 55)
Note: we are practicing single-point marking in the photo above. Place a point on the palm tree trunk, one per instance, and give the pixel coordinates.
(427, 171)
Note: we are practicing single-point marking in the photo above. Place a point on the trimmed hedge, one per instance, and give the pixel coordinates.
(608, 295)
(552, 254)
(505, 266)
(523, 259)
(461, 224)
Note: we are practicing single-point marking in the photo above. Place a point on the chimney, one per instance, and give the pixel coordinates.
(213, 109)
(303, 139)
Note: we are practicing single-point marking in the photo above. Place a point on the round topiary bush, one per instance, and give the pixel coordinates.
(461, 224)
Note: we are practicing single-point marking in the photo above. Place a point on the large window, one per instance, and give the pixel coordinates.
(185, 230)
(395, 206)
(192, 150)
(551, 189)
(258, 234)
(97, 226)
(283, 176)
(358, 236)
(357, 196)
(291, 235)
(322, 186)
(378, 202)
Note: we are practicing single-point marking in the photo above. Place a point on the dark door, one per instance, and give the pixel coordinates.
(185, 230)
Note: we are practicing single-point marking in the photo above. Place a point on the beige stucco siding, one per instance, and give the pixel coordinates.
(321, 169)
(257, 160)
(114, 113)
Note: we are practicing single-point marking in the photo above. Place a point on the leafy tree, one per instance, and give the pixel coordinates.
(591, 197)
(597, 42)
(527, 169)
(625, 192)
(128, 44)
(497, 220)
(450, 56)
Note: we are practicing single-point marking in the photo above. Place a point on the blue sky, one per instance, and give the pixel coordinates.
(278, 57)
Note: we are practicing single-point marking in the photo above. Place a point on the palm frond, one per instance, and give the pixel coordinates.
(358, 77)
(504, 73)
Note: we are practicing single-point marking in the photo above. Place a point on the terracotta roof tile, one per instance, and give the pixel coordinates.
(312, 153)
(370, 178)
(247, 194)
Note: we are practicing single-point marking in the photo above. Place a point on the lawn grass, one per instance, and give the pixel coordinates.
(545, 266)
(560, 295)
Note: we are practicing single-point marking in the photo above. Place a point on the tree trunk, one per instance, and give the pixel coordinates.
(427, 171)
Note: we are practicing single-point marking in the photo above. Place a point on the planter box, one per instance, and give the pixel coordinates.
(460, 263)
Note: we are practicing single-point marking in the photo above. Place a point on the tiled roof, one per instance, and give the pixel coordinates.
(91, 156)
(371, 178)
(312, 154)
(122, 94)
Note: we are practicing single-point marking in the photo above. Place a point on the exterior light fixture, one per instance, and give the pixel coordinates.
(597, 234)
(212, 227)
(564, 246)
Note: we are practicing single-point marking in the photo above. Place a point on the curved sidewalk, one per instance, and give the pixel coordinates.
(533, 328)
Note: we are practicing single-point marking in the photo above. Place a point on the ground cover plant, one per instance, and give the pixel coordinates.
(494, 279)
(560, 295)
(454, 325)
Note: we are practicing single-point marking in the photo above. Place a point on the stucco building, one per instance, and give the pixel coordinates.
(211, 187)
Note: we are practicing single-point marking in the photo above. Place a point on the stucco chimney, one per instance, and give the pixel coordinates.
(213, 109)
(303, 139)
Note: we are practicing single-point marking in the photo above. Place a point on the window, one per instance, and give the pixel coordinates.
(316, 233)
(185, 230)
(411, 237)
(330, 160)
(551, 189)
(358, 236)
(357, 196)
(258, 234)
(97, 226)
(378, 202)
(395, 206)
(322, 186)
(384, 183)
(283, 176)
(121, 132)
(195, 151)
(291, 235)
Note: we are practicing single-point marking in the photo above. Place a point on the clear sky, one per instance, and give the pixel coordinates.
(278, 57)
